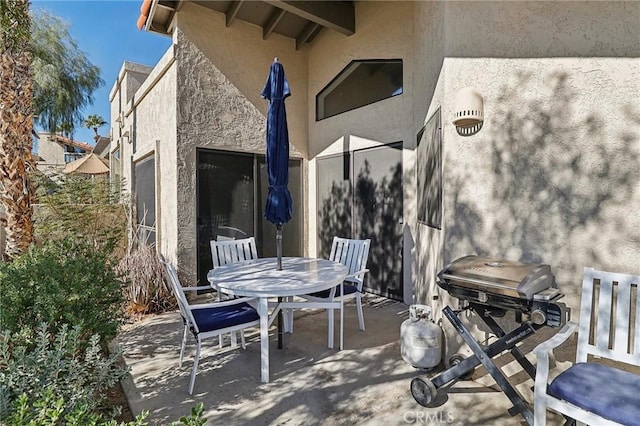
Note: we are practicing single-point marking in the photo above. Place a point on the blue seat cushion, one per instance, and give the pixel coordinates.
(348, 289)
(606, 391)
(216, 318)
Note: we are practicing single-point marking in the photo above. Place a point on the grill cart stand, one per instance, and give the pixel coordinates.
(425, 390)
(491, 287)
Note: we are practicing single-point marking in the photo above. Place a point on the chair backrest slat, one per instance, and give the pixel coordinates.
(610, 308)
(351, 253)
(622, 324)
(604, 314)
(233, 251)
(636, 328)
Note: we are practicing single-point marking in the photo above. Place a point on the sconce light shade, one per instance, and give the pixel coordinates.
(468, 111)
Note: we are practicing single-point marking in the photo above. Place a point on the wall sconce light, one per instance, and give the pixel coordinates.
(120, 120)
(126, 135)
(468, 111)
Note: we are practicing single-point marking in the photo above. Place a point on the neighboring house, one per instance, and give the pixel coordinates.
(551, 177)
(54, 151)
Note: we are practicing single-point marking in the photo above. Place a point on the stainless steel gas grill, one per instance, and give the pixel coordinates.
(491, 287)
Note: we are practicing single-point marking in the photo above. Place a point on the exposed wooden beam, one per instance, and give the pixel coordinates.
(337, 15)
(306, 34)
(232, 12)
(315, 33)
(271, 24)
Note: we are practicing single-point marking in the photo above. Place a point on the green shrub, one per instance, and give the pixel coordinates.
(62, 282)
(89, 210)
(61, 373)
(47, 411)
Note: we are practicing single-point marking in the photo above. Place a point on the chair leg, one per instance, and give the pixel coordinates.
(184, 343)
(234, 339)
(360, 314)
(539, 413)
(195, 366)
(539, 398)
(330, 315)
(244, 344)
(219, 294)
(288, 318)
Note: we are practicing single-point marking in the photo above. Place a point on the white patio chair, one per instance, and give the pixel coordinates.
(609, 329)
(227, 250)
(209, 319)
(353, 254)
(224, 252)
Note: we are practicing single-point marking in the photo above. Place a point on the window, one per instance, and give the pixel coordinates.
(360, 83)
(145, 193)
(115, 163)
(72, 156)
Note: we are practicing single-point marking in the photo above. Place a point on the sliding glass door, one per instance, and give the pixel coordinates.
(231, 194)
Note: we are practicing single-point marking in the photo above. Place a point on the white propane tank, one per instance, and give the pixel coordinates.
(420, 338)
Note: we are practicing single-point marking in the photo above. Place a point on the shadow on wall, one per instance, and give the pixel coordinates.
(334, 216)
(559, 189)
(378, 210)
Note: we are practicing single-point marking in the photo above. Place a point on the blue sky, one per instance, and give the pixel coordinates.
(106, 32)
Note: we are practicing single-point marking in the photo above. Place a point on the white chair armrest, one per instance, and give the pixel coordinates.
(357, 274)
(231, 302)
(542, 352)
(544, 348)
(200, 287)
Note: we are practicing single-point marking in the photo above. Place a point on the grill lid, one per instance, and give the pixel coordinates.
(498, 276)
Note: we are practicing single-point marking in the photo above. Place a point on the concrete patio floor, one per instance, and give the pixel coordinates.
(367, 383)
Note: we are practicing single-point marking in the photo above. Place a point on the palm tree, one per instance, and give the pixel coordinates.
(66, 129)
(16, 125)
(94, 121)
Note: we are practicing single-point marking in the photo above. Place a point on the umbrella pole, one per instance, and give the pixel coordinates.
(279, 267)
(279, 245)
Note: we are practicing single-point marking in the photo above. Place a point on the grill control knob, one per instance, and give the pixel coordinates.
(538, 317)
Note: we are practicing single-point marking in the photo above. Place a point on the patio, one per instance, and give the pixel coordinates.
(367, 383)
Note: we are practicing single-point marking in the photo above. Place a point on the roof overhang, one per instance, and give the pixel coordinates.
(301, 21)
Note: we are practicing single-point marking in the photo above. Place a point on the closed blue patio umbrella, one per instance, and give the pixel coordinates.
(278, 209)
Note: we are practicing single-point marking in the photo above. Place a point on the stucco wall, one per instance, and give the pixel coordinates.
(130, 77)
(553, 175)
(554, 172)
(149, 109)
(332, 51)
(428, 96)
(379, 123)
(155, 133)
(51, 152)
(212, 113)
(241, 55)
(219, 105)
